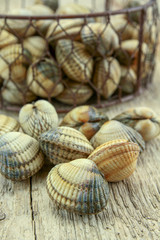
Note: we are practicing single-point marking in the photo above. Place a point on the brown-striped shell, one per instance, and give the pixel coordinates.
(86, 119)
(128, 79)
(78, 186)
(116, 159)
(18, 58)
(107, 76)
(75, 93)
(76, 62)
(144, 120)
(38, 117)
(72, 8)
(64, 144)
(8, 124)
(36, 45)
(7, 38)
(99, 39)
(43, 78)
(20, 156)
(113, 130)
(53, 4)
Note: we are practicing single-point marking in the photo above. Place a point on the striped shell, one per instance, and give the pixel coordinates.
(78, 186)
(86, 119)
(64, 144)
(143, 120)
(113, 130)
(17, 57)
(128, 80)
(107, 76)
(53, 4)
(7, 38)
(43, 78)
(75, 93)
(116, 159)
(38, 117)
(8, 124)
(76, 62)
(99, 39)
(36, 46)
(20, 156)
(72, 8)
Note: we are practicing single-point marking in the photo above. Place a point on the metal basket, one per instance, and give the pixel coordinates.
(77, 64)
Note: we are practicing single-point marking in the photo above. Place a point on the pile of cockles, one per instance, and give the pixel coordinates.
(87, 149)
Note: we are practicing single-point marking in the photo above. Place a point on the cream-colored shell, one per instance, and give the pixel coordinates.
(72, 8)
(76, 62)
(116, 159)
(8, 124)
(7, 38)
(38, 117)
(78, 186)
(128, 79)
(20, 156)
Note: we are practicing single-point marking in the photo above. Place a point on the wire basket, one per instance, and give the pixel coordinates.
(76, 56)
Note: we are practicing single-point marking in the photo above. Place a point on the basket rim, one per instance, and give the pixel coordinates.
(72, 16)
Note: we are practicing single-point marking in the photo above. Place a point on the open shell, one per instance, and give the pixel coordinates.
(78, 186)
(143, 120)
(113, 130)
(64, 144)
(116, 159)
(20, 156)
(86, 119)
(76, 62)
(8, 124)
(37, 118)
(43, 78)
(107, 76)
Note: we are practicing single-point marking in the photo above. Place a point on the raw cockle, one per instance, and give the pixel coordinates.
(86, 119)
(8, 124)
(116, 159)
(113, 130)
(144, 120)
(20, 156)
(64, 144)
(78, 186)
(38, 117)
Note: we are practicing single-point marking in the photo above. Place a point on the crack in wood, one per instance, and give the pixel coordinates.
(32, 211)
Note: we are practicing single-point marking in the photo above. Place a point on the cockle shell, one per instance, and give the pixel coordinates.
(78, 186)
(53, 4)
(113, 130)
(20, 156)
(38, 117)
(107, 76)
(128, 79)
(64, 144)
(72, 8)
(43, 78)
(86, 119)
(36, 45)
(18, 58)
(8, 124)
(75, 93)
(116, 159)
(99, 39)
(7, 38)
(75, 61)
(144, 120)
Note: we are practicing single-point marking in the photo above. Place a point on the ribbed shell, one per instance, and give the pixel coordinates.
(75, 60)
(8, 124)
(128, 80)
(116, 159)
(113, 130)
(37, 118)
(75, 93)
(64, 144)
(36, 46)
(86, 119)
(99, 39)
(78, 186)
(7, 38)
(17, 58)
(72, 8)
(20, 156)
(53, 4)
(43, 77)
(107, 76)
(144, 120)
